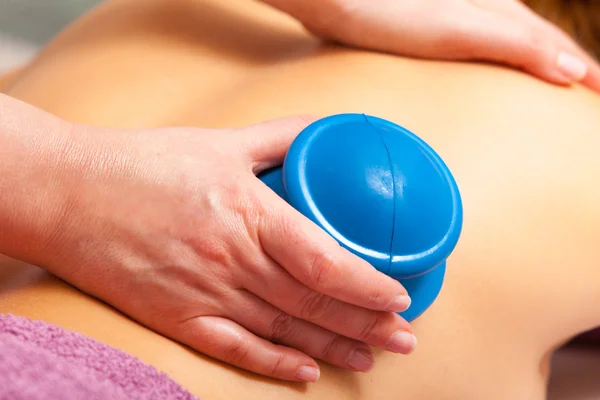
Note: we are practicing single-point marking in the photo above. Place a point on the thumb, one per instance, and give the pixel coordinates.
(527, 47)
(267, 143)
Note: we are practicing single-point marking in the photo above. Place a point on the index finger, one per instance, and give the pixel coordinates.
(316, 259)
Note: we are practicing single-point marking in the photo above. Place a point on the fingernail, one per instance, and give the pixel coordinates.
(402, 342)
(308, 374)
(571, 66)
(400, 303)
(361, 360)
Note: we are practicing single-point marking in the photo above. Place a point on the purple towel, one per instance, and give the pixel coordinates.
(39, 361)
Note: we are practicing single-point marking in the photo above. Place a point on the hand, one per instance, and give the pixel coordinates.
(172, 227)
(503, 31)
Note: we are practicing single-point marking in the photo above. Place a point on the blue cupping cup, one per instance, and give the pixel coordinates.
(381, 192)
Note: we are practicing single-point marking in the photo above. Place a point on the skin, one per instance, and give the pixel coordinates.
(149, 108)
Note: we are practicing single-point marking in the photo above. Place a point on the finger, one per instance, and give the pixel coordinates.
(227, 341)
(279, 327)
(376, 328)
(314, 258)
(267, 143)
(563, 40)
(592, 77)
(505, 40)
(571, 59)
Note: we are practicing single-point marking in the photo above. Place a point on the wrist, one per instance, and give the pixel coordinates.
(35, 182)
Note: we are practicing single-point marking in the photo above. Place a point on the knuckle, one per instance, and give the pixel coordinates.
(248, 209)
(369, 331)
(215, 197)
(216, 251)
(277, 369)
(315, 306)
(376, 298)
(332, 347)
(322, 270)
(282, 328)
(237, 353)
(246, 202)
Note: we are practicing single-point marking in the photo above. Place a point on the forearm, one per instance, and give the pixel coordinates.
(32, 195)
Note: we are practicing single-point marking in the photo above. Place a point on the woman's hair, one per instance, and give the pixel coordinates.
(579, 18)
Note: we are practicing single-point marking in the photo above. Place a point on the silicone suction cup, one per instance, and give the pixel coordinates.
(381, 192)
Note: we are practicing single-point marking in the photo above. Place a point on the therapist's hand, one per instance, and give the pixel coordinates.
(503, 31)
(172, 227)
